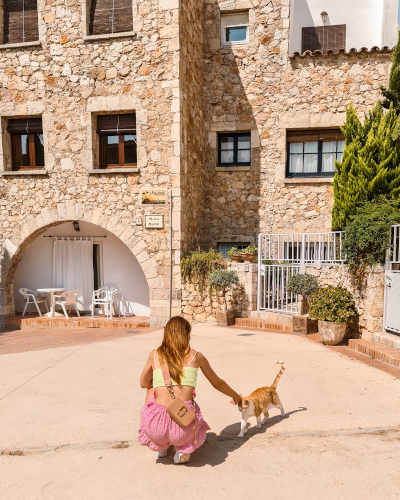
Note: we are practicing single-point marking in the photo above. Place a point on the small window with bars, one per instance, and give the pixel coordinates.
(27, 143)
(110, 16)
(20, 21)
(224, 247)
(118, 145)
(312, 153)
(324, 38)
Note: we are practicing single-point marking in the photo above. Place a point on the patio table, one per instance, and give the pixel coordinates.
(51, 292)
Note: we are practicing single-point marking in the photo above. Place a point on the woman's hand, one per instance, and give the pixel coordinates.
(236, 400)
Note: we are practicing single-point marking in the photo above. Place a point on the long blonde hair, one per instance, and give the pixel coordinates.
(175, 346)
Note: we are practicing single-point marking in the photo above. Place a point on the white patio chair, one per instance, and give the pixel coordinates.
(30, 298)
(116, 298)
(66, 299)
(102, 297)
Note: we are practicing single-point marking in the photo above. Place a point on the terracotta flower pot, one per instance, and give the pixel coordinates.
(236, 258)
(249, 257)
(331, 333)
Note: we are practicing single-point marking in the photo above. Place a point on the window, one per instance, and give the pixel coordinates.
(324, 38)
(118, 146)
(312, 153)
(235, 28)
(110, 16)
(20, 21)
(27, 144)
(234, 149)
(225, 247)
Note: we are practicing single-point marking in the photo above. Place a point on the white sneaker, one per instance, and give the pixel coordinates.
(162, 454)
(180, 458)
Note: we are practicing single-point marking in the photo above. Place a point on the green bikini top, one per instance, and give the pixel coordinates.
(189, 375)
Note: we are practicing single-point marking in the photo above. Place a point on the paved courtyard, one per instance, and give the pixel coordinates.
(70, 415)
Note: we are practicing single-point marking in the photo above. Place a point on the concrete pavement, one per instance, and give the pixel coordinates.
(88, 397)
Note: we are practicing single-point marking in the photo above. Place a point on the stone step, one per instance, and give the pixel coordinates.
(387, 339)
(272, 326)
(36, 322)
(272, 316)
(376, 351)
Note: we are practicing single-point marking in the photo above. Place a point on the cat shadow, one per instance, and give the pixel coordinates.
(217, 448)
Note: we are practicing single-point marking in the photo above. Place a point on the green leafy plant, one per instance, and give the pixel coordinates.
(222, 280)
(196, 267)
(334, 304)
(392, 93)
(303, 284)
(233, 251)
(250, 250)
(367, 236)
(370, 166)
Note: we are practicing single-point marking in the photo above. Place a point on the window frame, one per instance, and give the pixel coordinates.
(25, 33)
(224, 27)
(232, 244)
(326, 31)
(121, 152)
(90, 21)
(318, 173)
(235, 135)
(32, 152)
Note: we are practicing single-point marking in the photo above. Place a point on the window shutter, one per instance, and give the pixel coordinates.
(315, 135)
(25, 126)
(20, 21)
(116, 124)
(324, 38)
(110, 16)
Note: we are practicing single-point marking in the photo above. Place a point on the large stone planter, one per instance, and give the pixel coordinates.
(249, 257)
(226, 318)
(303, 325)
(331, 333)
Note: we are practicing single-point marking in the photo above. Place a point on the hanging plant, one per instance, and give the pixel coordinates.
(197, 265)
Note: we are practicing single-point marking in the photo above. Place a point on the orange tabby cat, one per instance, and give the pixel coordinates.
(259, 402)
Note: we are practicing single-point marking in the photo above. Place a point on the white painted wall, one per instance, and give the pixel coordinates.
(120, 267)
(369, 22)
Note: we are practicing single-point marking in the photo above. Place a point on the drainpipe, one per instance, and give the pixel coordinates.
(170, 255)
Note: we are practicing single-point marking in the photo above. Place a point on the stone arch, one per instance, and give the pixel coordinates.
(15, 246)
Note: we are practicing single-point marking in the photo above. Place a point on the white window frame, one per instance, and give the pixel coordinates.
(224, 26)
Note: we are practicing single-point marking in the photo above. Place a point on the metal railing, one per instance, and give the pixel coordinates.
(272, 292)
(303, 248)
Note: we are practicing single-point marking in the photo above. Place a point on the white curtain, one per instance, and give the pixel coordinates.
(73, 267)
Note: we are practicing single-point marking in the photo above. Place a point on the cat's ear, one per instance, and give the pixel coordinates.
(245, 403)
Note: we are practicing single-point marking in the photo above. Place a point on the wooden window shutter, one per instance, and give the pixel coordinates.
(25, 126)
(314, 135)
(116, 124)
(324, 38)
(110, 16)
(21, 22)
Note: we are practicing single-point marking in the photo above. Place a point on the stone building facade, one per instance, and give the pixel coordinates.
(185, 89)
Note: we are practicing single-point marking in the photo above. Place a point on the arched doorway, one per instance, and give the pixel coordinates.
(114, 263)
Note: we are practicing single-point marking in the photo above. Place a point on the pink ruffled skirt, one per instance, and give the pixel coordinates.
(158, 431)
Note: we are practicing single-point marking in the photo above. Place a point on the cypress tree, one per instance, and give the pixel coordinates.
(371, 162)
(392, 93)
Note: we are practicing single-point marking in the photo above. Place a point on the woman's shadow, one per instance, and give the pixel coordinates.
(216, 449)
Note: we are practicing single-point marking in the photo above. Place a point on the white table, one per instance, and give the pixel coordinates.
(51, 292)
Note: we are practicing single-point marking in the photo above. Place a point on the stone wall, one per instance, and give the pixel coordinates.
(243, 297)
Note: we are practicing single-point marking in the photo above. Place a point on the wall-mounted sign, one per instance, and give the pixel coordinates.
(154, 196)
(154, 221)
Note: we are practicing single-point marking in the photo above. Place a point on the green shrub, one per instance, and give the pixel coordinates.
(303, 284)
(196, 266)
(367, 236)
(222, 280)
(250, 249)
(334, 304)
(233, 251)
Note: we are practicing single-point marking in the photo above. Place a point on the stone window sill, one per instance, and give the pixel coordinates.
(233, 169)
(309, 180)
(24, 172)
(131, 170)
(107, 36)
(22, 45)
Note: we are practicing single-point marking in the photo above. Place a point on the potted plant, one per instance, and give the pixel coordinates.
(222, 280)
(234, 255)
(249, 254)
(333, 307)
(303, 285)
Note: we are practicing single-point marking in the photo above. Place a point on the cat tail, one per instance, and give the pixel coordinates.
(275, 384)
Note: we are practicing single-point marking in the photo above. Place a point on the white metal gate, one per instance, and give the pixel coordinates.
(272, 292)
(391, 317)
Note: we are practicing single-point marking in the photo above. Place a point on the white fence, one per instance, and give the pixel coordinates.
(272, 292)
(394, 254)
(391, 312)
(304, 248)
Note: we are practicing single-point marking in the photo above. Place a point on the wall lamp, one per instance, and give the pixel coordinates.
(76, 226)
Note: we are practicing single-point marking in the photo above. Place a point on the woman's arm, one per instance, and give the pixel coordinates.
(146, 378)
(215, 381)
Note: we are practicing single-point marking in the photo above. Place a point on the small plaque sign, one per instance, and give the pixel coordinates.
(154, 197)
(154, 221)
